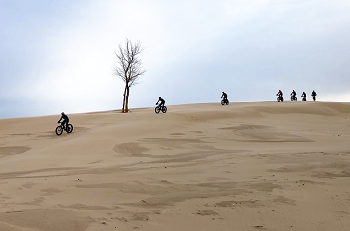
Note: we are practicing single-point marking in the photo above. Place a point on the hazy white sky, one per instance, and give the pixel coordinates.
(58, 55)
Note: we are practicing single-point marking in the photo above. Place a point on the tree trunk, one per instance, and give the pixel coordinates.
(124, 99)
(127, 99)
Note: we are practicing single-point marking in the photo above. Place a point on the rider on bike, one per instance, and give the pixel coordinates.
(65, 120)
(162, 102)
(313, 94)
(279, 93)
(303, 95)
(293, 94)
(224, 95)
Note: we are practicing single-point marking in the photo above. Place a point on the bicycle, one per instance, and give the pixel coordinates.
(159, 108)
(224, 101)
(60, 128)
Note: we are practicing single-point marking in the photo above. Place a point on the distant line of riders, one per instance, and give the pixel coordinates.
(293, 96)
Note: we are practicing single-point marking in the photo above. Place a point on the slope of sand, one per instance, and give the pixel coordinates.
(246, 166)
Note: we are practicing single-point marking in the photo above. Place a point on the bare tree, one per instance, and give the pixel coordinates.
(129, 67)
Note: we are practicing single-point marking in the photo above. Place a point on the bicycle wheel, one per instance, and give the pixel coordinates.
(157, 109)
(69, 128)
(222, 102)
(227, 102)
(164, 109)
(59, 130)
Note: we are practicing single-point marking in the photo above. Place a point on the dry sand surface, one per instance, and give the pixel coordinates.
(245, 166)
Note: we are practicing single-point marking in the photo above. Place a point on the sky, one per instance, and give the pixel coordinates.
(58, 55)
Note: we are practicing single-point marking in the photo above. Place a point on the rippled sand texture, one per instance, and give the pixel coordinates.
(245, 166)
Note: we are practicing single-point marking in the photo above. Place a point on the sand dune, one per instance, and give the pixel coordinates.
(246, 166)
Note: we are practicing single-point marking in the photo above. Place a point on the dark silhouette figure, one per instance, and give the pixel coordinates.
(65, 119)
(280, 93)
(293, 96)
(313, 94)
(224, 96)
(162, 102)
(303, 96)
(279, 96)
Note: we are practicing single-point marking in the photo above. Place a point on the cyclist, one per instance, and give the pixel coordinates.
(313, 94)
(162, 102)
(224, 95)
(280, 93)
(293, 94)
(65, 120)
(303, 95)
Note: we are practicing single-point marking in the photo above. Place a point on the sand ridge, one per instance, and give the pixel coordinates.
(245, 166)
